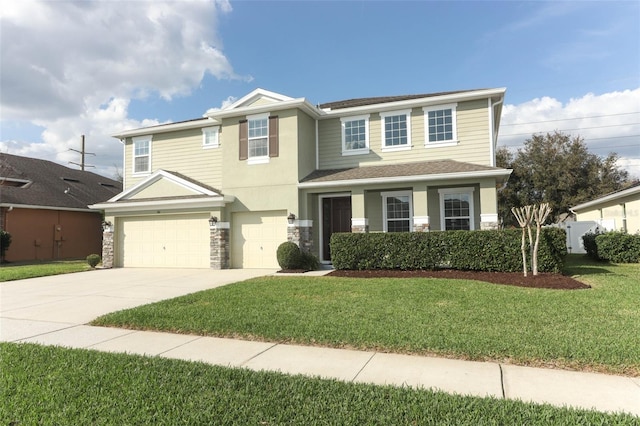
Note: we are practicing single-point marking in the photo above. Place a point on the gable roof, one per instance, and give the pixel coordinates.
(35, 183)
(422, 171)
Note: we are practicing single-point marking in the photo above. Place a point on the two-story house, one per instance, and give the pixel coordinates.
(227, 189)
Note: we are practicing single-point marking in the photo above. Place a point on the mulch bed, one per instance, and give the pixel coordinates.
(542, 280)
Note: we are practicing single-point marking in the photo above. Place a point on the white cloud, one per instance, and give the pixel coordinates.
(609, 122)
(73, 66)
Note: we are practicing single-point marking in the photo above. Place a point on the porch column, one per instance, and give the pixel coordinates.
(300, 232)
(359, 220)
(107, 245)
(488, 205)
(219, 246)
(420, 209)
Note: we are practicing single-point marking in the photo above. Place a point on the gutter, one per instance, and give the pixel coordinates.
(405, 179)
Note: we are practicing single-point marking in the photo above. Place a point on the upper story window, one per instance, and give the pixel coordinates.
(440, 125)
(210, 137)
(355, 135)
(142, 154)
(456, 209)
(258, 138)
(397, 211)
(396, 130)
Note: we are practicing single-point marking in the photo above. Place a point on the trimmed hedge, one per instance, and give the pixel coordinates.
(618, 247)
(463, 250)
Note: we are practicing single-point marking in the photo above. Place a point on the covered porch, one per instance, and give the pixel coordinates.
(413, 197)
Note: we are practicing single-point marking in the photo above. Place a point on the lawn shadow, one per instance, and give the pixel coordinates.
(583, 265)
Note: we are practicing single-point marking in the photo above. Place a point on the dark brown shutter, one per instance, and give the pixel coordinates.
(273, 136)
(244, 140)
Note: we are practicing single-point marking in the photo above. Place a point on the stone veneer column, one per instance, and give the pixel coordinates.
(489, 222)
(300, 232)
(107, 247)
(360, 225)
(219, 246)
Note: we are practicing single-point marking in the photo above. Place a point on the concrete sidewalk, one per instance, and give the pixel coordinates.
(53, 311)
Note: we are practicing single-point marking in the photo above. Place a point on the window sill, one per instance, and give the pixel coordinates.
(209, 146)
(396, 148)
(355, 152)
(441, 144)
(258, 160)
(139, 174)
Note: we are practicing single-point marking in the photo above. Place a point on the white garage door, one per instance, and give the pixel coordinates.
(172, 241)
(256, 237)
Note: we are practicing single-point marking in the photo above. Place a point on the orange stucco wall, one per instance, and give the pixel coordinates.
(51, 234)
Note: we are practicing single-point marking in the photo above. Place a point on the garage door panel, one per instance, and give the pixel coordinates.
(165, 241)
(256, 237)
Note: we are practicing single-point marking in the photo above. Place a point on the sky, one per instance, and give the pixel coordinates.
(94, 68)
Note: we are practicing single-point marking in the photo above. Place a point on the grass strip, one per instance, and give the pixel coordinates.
(20, 271)
(595, 329)
(52, 385)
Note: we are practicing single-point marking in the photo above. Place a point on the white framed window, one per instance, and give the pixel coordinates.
(456, 209)
(355, 135)
(397, 211)
(211, 137)
(258, 138)
(440, 125)
(396, 130)
(141, 154)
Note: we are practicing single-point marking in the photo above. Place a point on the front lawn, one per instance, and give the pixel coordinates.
(55, 386)
(595, 329)
(22, 270)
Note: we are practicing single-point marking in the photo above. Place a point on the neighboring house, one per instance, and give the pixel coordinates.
(618, 211)
(227, 189)
(44, 206)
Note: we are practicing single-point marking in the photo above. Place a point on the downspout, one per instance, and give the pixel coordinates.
(494, 132)
(317, 148)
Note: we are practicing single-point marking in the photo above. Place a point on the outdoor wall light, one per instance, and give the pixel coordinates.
(213, 220)
(291, 218)
(106, 225)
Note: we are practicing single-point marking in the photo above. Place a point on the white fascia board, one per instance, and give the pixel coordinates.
(407, 179)
(169, 127)
(156, 176)
(255, 94)
(37, 207)
(413, 103)
(607, 198)
(300, 103)
(165, 205)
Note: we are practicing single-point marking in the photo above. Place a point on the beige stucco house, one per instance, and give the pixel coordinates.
(224, 191)
(619, 211)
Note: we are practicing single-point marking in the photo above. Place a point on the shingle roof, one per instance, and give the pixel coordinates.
(396, 170)
(48, 182)
(349, 103)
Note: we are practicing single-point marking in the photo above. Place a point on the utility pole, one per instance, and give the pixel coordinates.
(82, 152)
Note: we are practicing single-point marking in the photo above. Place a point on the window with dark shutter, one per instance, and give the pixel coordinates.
(244, 140)
(273, 136)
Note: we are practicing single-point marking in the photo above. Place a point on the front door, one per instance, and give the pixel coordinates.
(336, 217)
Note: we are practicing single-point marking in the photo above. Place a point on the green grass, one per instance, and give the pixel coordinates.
(51, 385)
(20, 271)
(595, 329)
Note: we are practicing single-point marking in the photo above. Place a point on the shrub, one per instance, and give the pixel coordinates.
(618, 247)
(590, 246)
(93, 260)
(309, 261)
(5, 242)
(463, 250)
(289, 255)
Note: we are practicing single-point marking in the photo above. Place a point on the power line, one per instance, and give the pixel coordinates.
(566, 119)
(582, 128)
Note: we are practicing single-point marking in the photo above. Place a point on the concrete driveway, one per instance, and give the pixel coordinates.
(41, 305)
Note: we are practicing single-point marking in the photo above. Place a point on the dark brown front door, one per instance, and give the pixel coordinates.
(336, 217)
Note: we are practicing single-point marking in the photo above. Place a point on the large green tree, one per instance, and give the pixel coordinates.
(558, 169)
